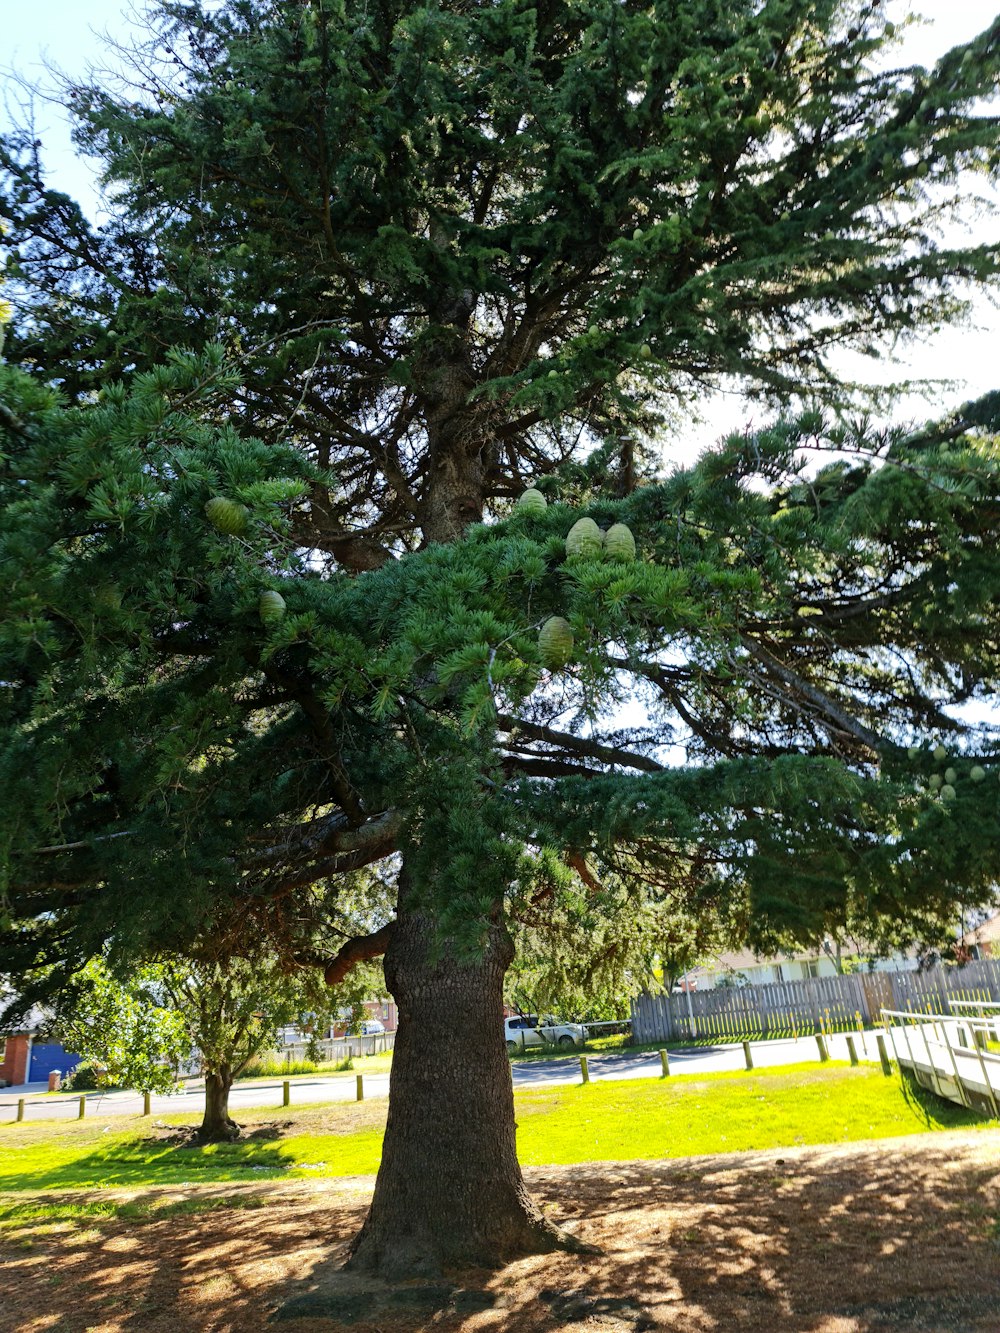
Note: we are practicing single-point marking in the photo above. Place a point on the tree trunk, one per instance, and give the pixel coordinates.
(449, 1190)
(217, 1126)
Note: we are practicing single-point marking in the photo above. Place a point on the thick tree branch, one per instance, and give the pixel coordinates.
(333, 837)
(576, 861)
(589, 749)
(357, 950)
(820, 702)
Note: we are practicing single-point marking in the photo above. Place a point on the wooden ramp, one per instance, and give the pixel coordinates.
(947, 1053)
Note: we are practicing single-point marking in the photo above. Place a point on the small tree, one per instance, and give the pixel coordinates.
(126, 1031)
(225, 1010)
(231, 1008)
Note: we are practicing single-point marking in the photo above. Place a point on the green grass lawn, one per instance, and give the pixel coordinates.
(611, 1121)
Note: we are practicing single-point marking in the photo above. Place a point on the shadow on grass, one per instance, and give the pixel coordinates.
(934, 1111)
(173, 1159)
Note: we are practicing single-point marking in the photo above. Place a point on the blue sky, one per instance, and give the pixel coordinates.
(66, 33)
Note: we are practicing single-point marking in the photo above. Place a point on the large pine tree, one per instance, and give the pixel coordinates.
(452, 250)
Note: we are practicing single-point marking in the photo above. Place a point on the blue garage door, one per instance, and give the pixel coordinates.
(46, 1056)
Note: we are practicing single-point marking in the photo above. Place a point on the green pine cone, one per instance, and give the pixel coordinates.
(555, 642)
(227, 515)
(584, 538)
(619, 543)
(271, 607)
(532, 502)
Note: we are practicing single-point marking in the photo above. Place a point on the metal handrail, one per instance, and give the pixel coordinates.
(924, 1017)
(912, 1015)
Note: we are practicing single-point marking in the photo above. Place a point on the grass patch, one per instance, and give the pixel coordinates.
(692, 1115)
(685, 1115)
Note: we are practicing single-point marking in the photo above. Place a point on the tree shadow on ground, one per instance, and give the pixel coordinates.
(900, 1234)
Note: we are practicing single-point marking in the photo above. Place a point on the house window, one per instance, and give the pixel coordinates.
(811, 969)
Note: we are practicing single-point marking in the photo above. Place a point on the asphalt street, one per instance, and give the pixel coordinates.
(535, 1073)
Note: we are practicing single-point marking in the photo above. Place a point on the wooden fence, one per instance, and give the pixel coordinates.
(789, 1008)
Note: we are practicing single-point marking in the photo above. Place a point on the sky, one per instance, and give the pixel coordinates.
(66, 33)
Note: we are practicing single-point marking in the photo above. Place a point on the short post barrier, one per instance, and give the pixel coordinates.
(585, 1072)
(824, 1054)
(852, 1050)
(883, 1055)
(20, 1108)
(147, 1104)
(665, 1063)
(83, 1107)
(286, 1093)
(748, 1055)
(361, 1087)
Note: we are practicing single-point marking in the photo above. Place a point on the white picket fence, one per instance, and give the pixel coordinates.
(338, 1048)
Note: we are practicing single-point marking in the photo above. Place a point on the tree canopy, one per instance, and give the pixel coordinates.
(798, 631)
(445, 240)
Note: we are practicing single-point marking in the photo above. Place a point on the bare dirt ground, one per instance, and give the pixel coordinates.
(899, 1234)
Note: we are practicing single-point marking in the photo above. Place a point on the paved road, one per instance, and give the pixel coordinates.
(343, 1087)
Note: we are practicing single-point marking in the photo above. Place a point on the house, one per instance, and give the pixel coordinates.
(382, 1010)
(27, 1057)
(744, 968)
(984, 940)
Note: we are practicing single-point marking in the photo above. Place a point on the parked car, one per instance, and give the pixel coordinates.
(371, 1026)
(525, 1030)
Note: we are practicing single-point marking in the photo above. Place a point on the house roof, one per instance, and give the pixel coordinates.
(744, 958)
(29, 1022)
(989, 930)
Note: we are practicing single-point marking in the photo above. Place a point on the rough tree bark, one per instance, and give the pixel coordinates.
(217, 1126)
(449, 1190)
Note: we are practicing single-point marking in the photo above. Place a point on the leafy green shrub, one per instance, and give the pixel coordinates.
(86, 1077)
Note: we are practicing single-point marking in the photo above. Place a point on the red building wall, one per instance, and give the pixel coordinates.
(16, 1054)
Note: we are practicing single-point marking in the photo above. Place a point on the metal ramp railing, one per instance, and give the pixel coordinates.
(947, 1053)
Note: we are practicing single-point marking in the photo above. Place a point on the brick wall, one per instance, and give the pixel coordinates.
(14, 1065)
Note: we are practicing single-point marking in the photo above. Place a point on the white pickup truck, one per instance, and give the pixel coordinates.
(523, 1030)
